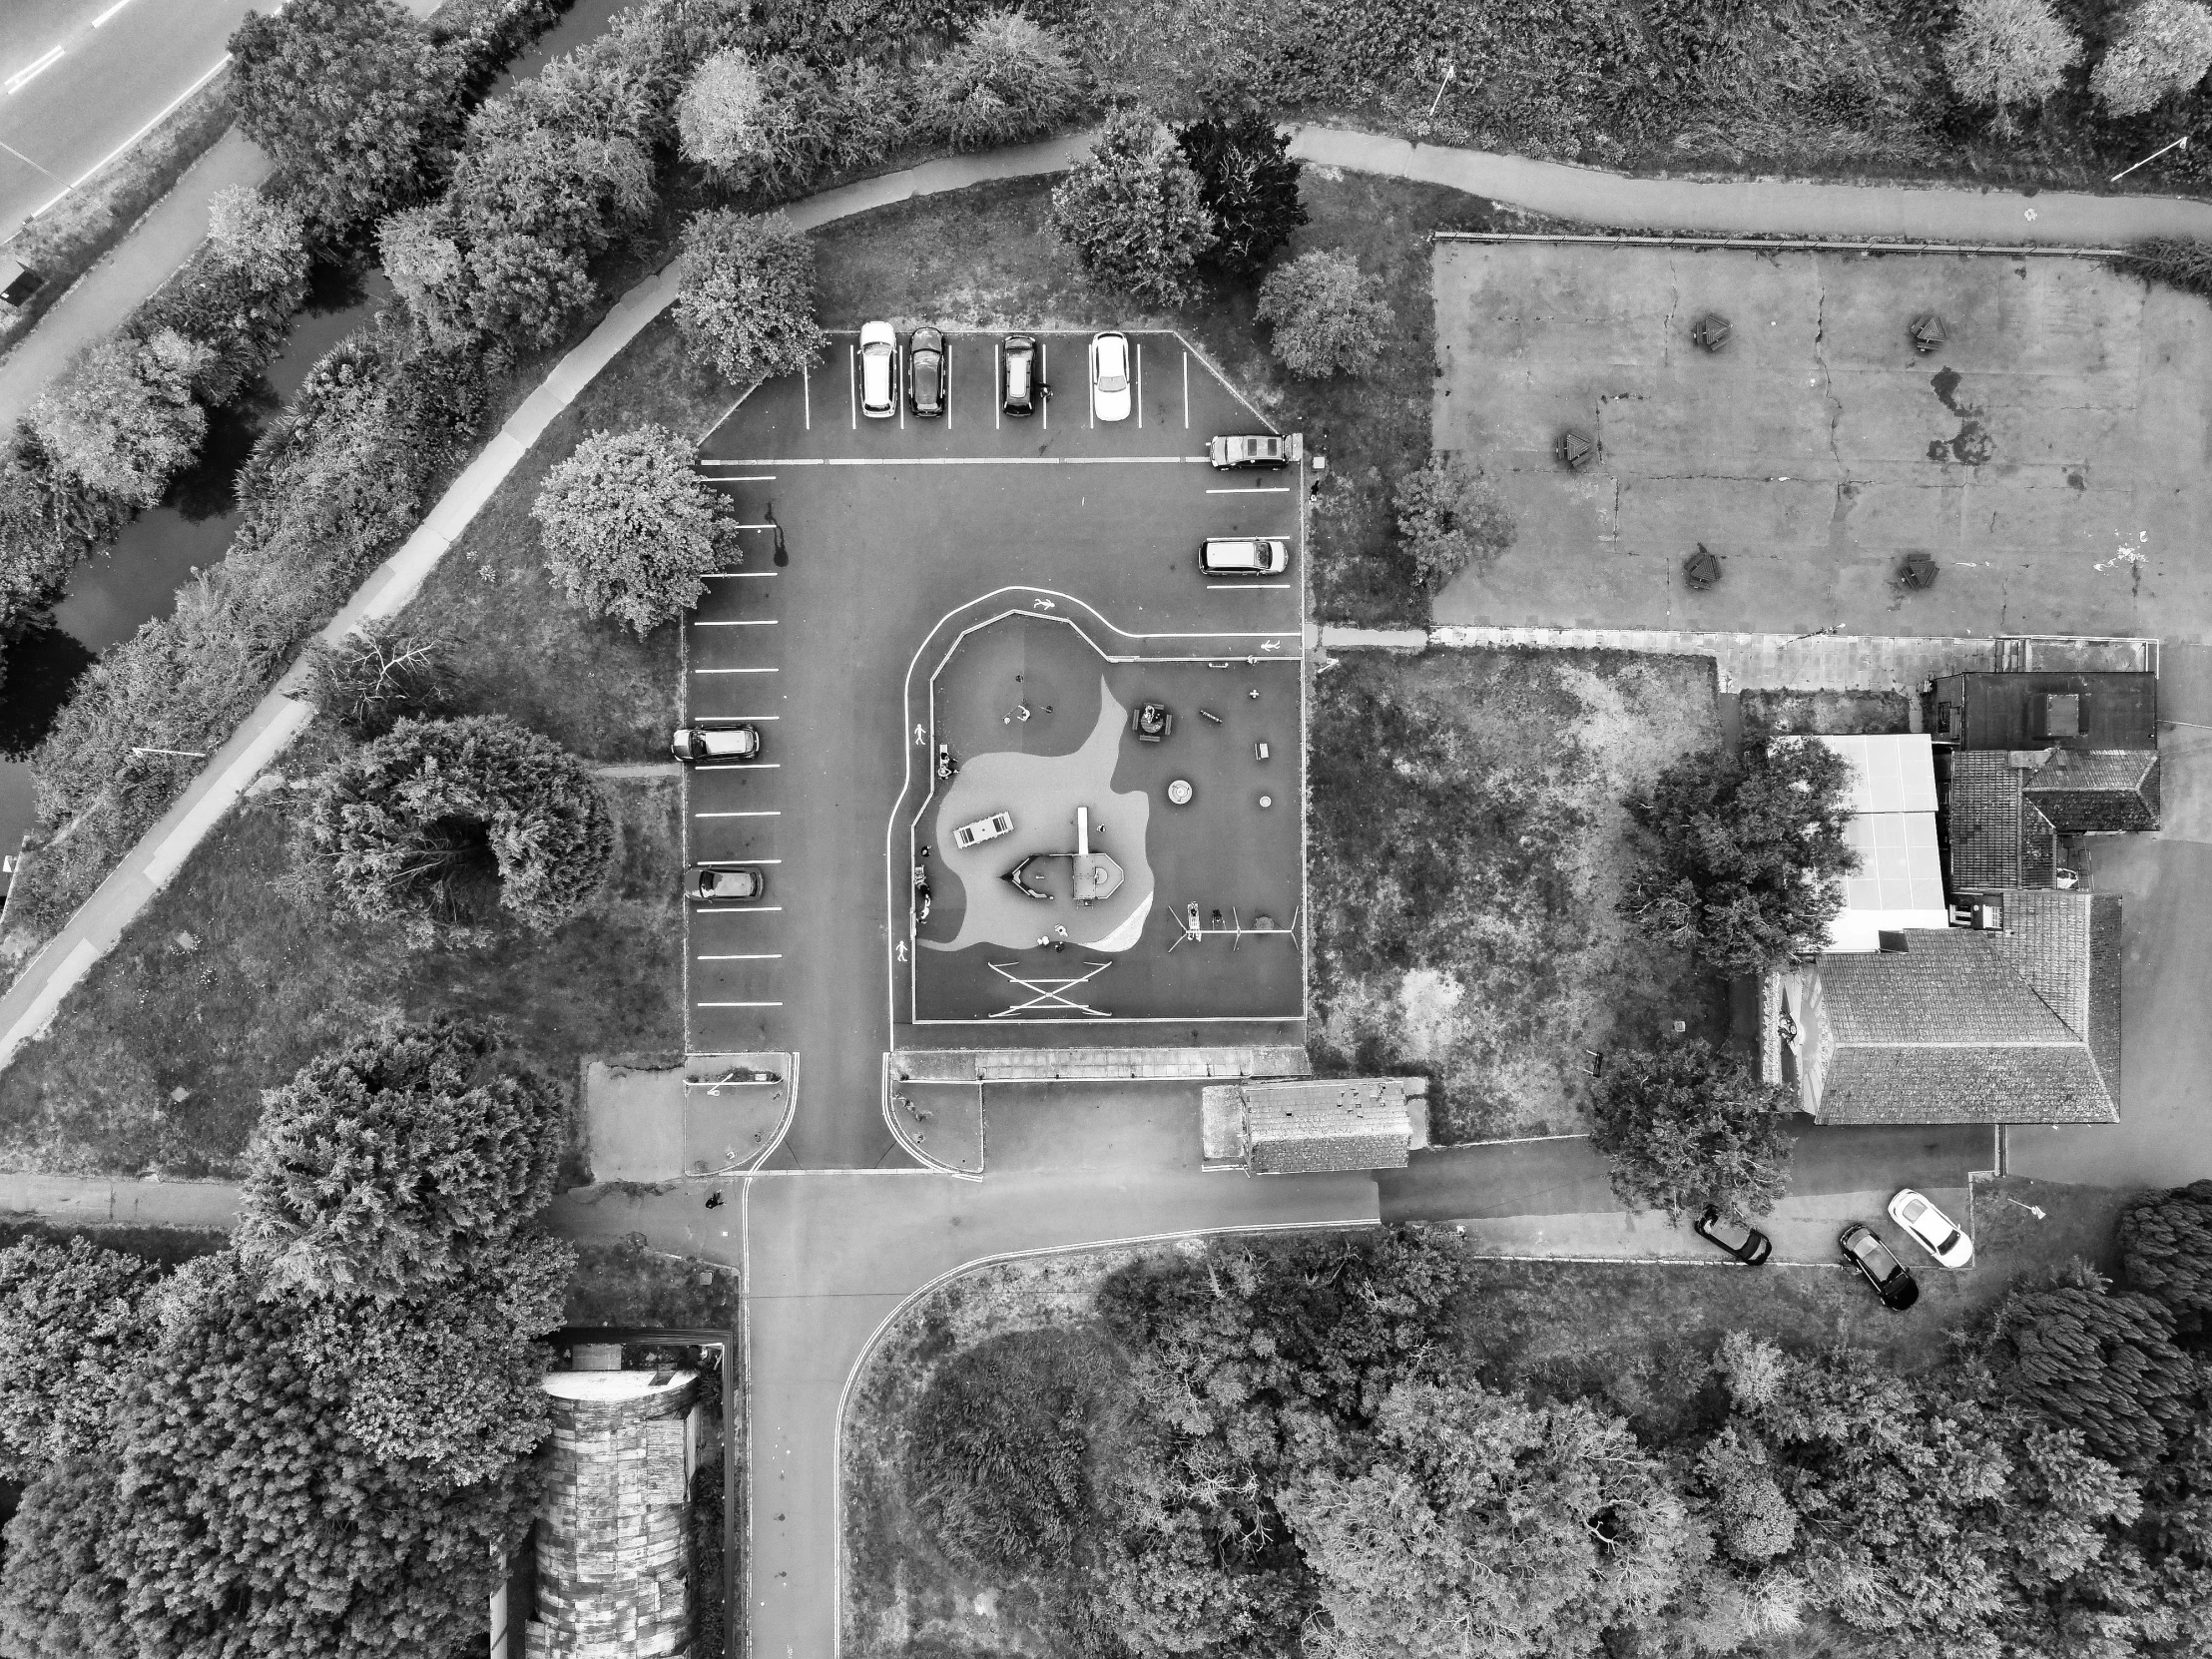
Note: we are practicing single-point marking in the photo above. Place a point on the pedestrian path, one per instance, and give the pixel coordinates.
(101, 1201)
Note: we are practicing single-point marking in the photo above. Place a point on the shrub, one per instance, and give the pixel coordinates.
(56, 1599)
(440, 820)
(351, 99)
(121, 420)
(391, 1164)
(1327, 317)
(1686, 1125)
(2175, 261)
(264, 240)
(744, 296)
(239, 292)
(1742, 857)
(46, 524)
(1249, 184)
(719, 117)
(1009, 78)
(2105, 1365)
(73, 1324)
(2005, 52)
(384, 671)
(1131, 212)
(2164, 47)
(629, 530)
(2166, 1246)
(1449, 517)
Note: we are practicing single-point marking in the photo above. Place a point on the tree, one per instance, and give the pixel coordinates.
(2163, 48)
(1327, 318)
(2102, 1363)
(1249, 183)
(2166, 1249)
(2177, 262)
(250, 1519)
(1009, 78)
(628, 528)
(1540, 1527)
(56, 1599)
(264, 240)
(72, 1325)
(440, 821)
(777, 124)
(384, 671)
(1687, 1125)
(385, 1166)
(1131, 212)
(744, 296)
(1449, 517)
(2001, 53)
(1742, 857)
(719, 118)
(351, 100)
(121, 420)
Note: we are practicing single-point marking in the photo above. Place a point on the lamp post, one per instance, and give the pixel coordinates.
(2181, 143)
(1451, 73)
(188, 753)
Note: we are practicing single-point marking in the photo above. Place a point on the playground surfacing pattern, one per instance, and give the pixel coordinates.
(1040, 724)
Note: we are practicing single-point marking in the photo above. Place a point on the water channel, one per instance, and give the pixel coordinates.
(136, 581)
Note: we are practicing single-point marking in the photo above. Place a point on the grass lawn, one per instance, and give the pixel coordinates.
(615, 1284)
(226, 987)
(1467, 843)
(988, 257)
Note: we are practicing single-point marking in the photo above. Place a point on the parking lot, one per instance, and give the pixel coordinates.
(871, 540)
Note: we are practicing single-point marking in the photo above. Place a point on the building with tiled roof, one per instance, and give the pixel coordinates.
(1309, 1126)
(2014, 1021)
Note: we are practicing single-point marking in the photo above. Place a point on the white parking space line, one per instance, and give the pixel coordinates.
(738, 765)
(23, 77)
(732, 671)
(738, 1004)
(1186, 391)
(1044, 384)
(1250, 587)
(1140, 385)
(744, 956)
(754, 622)
(738, 910)
(749, 478)
(992, 461)
(768, 812)
(899, 392)
(806, 397)
(998, 380)
(946, 371)
(852, 383)
(1248, 489)
(118, 6)
(735, 575)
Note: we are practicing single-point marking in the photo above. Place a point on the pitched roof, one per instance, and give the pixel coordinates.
(2018, 1026)
(1997, 837)
(2083, 792)
(1309, 1125)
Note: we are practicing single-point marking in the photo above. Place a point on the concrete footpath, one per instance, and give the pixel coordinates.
(94, 1201)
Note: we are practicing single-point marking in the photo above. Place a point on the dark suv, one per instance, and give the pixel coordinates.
(1018, 377)
(925, 372)
(1892, 1279)
(1741, 1241)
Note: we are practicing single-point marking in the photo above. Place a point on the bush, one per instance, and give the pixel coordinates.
(1008, 80)
(1249, 184)
(74, 1322)
(2166, 1248)
(239, 292)
(439, 823)
(629, 530)
(2175, 261)
(2163, 48)
(744, 296)
(719, 118)
(1742, 857)
(353, 102)
(2005, 52)
(1327, 318)
(121, 420)
(46, 524)
(1131, 212)
(384, 671)
(1687, 1125)
(393, 1165)
(1449, 518)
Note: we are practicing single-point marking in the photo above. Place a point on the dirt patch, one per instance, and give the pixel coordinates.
(1774, 714)
(1469, 843)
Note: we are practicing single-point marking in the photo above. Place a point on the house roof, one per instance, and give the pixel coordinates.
(2083, 792)
(1899, 879)
(1995, 709)
(1996, 837)
(2018, 1026)
(1309, 1125)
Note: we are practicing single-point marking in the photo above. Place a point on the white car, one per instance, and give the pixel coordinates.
(1110, 376)
(1244, 556)
(1931, 1229)
(878, 370)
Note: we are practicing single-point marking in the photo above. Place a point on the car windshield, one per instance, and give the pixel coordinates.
(1732, 1234)
(1948, 1244)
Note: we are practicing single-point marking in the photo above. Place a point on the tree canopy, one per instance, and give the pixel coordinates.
(121, 420)
(74, 1322)
(1327, 317)
(1132, 213)
(1451, 516)
(1742, 856)
(1009, 78)
(744, 296)
(2166, 1250)
(2001, 53)
(439, 824)
(2162, 47)
(351, 100)
(629, 530)
(2102, 1364)
(1686, 1125)
(1248, 181)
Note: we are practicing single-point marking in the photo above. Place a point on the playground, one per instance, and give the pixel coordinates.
(1133, 836)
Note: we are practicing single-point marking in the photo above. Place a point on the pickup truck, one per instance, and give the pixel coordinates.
(1258, 449)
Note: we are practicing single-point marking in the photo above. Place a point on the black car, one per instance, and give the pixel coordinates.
(1892, 1279)
(1746, 1243)
(1018, 376)
(925, 372)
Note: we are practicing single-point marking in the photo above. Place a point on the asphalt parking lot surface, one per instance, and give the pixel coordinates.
(872, 542)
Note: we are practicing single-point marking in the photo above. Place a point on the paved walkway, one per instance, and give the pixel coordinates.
(96, 1201)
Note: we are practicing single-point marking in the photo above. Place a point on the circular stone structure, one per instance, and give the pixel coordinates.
(1179, 791)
